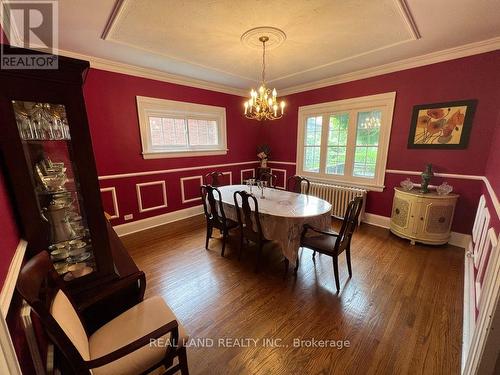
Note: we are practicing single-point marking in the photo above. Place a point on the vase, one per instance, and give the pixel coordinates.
(426, 178)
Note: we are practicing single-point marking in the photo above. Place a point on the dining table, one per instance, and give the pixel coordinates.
(282, 214)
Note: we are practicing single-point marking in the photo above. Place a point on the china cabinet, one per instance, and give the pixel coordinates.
(423, 217)
(50, 167)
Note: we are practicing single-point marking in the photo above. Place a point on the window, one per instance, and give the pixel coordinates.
(346, 141)
(175, 129)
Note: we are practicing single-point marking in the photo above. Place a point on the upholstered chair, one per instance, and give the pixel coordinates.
(143, 338)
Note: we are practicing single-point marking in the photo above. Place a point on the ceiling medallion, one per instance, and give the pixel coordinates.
(263, 103)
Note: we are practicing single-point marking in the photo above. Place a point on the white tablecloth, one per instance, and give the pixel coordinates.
(282, 215)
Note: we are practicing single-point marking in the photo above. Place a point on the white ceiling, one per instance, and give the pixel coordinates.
(200, 39)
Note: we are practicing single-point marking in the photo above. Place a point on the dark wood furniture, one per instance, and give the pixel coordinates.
(269, 178)
(333, 243)
(249, 223)
(115, 282)
(214, 214)
(261, 170)
(212, 178)
(42, 288)
(25, 149)
(294, 183)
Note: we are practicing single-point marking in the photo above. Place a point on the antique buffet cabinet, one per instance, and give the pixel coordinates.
(47, 157)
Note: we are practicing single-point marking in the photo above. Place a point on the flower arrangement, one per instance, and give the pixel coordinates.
(263, 153)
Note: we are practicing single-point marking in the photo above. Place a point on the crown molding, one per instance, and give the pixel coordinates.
(149, 73)
(465, 50)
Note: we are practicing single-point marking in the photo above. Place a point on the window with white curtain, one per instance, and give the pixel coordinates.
(346, 141)
(175, 129)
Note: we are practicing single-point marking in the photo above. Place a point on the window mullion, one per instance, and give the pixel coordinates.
(186, 130)
(325, 127)
(351, 144)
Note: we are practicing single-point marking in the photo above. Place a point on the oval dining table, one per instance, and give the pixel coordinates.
(282, 215)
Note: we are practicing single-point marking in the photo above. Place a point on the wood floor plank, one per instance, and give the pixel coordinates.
(401, 312)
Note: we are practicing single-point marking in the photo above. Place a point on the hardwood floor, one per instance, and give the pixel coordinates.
(401, 313)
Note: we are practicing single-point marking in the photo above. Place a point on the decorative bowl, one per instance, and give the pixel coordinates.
(407, 184)
(444, 189)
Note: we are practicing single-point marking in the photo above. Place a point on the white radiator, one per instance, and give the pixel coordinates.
(338, 196)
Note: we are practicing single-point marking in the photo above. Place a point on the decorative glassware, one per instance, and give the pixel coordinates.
(407, 184)
(444, 189)
(250, 183)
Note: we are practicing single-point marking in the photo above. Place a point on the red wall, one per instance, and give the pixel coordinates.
(9, 234)
(475, 77)
(112, 111)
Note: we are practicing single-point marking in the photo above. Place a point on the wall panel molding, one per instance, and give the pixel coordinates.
(116, 212)
(284, 177)
(183, 192)
(246, 170)
(139, 196)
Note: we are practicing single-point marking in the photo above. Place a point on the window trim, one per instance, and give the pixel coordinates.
(383, 102)
(151, 107)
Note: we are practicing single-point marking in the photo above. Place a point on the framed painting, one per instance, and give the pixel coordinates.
(442, 125)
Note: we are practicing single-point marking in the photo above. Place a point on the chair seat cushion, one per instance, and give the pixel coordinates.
(323, 243)
(133, 324)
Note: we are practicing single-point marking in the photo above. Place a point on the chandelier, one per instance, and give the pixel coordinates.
(263, 104)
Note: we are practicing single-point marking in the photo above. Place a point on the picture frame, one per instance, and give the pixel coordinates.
(442, 125)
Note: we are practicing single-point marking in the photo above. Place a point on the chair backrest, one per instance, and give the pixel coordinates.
(212, 178)
(349, 224)
(294, 183)
(247, 219)
(269, 178)
(41, 287)
(212, 204)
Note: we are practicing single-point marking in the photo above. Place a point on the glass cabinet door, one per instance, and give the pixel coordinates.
(46, 139)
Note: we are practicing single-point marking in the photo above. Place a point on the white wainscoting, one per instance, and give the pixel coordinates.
(246, 170)
(284, 177)
(116, 213)
(139, 197)
(183, 191)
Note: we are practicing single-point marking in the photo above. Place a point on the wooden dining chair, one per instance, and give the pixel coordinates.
(249, 223)
(294, 183)
(213, 208)
(121, 346)
(332, 243)
(212, 178)
(269, 178)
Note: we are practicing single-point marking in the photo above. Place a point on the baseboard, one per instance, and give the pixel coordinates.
(151, 222)
(10, 281)
(456, 239)
(460, 239)
(377, 220)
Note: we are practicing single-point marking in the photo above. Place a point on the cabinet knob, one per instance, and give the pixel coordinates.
(397, 211)
(442, 219)
(422, 218)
